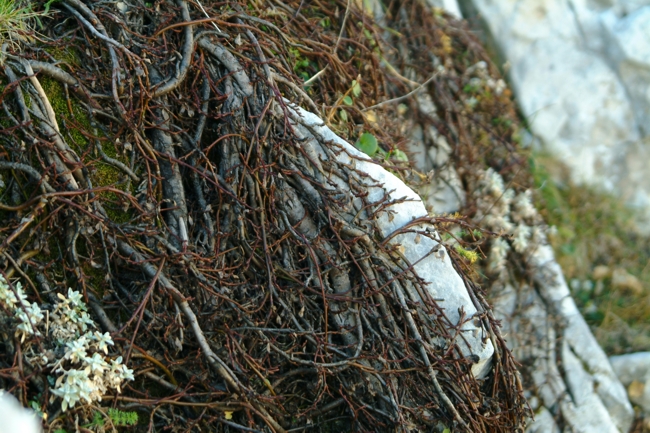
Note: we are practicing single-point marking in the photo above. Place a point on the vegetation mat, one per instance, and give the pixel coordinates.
(150, 163)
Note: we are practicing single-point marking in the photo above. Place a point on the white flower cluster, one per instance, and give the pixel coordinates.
(28, 315)
(85, 372)
(503, 211)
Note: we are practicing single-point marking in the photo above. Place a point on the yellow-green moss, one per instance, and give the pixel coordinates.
(74, 122)
(68, 55)
(471, 256)
(102, 174)
(95, 277)
(106, 175)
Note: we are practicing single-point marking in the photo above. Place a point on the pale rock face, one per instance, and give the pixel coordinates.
(436, 269)
(450, 6)
(586, 391)
(579, 107)
(595, 390)
(633, 371)
(445, 193)
(580, 70)
(15, 418)
(544, 423)
(568, 373)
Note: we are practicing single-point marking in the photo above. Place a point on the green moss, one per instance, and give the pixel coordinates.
(107, 175)
(67, 55)
(94, 277)
(73, 122)
(471, 256)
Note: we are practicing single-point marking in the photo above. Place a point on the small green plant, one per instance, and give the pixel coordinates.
(117, 417)
(36, 406)
(472, 256)
(300, 63)
(14, 20)
(98, 420)
(397, 155)
(367, 143)
(122, 418)
(354, 91)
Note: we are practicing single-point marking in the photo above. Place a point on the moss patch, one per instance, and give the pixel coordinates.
(75, 123)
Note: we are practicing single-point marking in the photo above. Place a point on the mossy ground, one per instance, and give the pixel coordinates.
(595, 238)
(77, 128)
(76, 125)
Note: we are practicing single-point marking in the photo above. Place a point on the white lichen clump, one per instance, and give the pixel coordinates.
(482, 82)
(85, 372)
(509, 214)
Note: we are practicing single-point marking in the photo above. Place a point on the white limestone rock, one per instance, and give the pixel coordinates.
(633, 370)
(568, 373)
(628, 50)
(543, 423)
(586, 365)
(574, 392)
(450, 6)
(14, 418)
(436, 269)
(445, 194)
(580, 70)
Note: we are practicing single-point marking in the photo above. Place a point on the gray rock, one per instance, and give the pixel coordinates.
(543, 423)
(633, 371)
(450, 6)
(581, 72)
(594, 387)
(544, 328)
(436, 269)
(569, 374)
(16, 418)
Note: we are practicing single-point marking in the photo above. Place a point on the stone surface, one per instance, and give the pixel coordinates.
(451, 6)
(543, 423)
(445, 194)
(570, 374)
(16, 419)
(595, 390)
(633, 371)
(580, 70)
(436, 269)
(586, 393)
